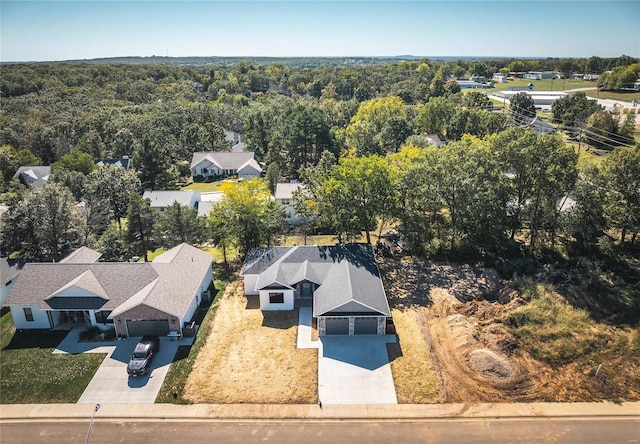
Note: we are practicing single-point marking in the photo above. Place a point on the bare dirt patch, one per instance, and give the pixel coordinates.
(462, 314)
(251, 357)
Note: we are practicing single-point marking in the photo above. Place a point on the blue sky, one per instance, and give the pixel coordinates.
(63, 30)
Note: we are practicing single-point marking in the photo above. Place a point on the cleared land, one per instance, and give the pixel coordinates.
(489, 342)
(251, 357)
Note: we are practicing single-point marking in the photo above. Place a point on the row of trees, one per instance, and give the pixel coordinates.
(478, 194)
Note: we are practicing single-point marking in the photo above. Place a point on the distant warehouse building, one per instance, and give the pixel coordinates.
(467, 84)
(540, 98)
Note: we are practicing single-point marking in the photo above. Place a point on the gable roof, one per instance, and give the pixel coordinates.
(285, 190)
(35, 172)
(169, 283)
(344, 274)
(222, 159)
(8, 271)
(121, 162)
(83, 255)
(166, 198)
(251, 163)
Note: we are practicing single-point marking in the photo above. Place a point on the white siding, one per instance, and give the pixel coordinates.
(267, 306)
(40, 319)
(250, 282)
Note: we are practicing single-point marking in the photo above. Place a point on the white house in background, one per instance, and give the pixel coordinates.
(436, 139)
(284, 195)
(149, 298)
(9, 273)
(499, 78)
(217, 165)
(342, 281)
(160, 200)
(235, 142)
(33, 176)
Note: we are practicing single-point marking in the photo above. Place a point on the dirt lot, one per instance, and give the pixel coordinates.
(251, 357)
(461, 312)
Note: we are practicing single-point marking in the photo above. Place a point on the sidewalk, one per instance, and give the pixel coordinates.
(9, 412)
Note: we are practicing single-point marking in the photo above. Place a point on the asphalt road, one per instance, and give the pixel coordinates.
(541, 430)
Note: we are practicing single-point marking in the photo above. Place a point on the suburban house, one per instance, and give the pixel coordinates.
(136, 299)
(9, 272)
(342, 282)
(34, 176)
(235, 142)
(284, 195)
(499, 78)
(160, 200)
(217, 165)
(123, 162)
(208, 200)
(436, 139)
(540, 126)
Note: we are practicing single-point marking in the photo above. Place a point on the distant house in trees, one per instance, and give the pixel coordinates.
(284, 195)
(436, 139)
(236, 143)
(33, 176)
(122, 162)
(208, 201)
(160, 200)
(218, 165)
(540, 126)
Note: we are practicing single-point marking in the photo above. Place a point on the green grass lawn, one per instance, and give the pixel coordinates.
(539, 85)
(173, 385)
(203, 187)
(31, 374)
(614, 95)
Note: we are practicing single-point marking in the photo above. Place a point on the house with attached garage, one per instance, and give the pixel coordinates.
(342, 282)
(217, 165)
(136, 299)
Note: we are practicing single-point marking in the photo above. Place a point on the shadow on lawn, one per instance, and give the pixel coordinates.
(36, 339)
(280, 319)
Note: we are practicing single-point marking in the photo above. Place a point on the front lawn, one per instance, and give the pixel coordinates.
(203, 187)
(31, 374)
(250, 356)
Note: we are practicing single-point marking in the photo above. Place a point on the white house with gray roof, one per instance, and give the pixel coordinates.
(160, 200)
(136, 299)
(342, 281)
(33, 176)
(219, 164)
(284, 195)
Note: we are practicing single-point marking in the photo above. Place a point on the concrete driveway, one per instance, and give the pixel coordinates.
(112, 384)
(355, 370)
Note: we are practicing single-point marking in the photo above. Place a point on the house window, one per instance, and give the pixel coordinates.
(285, 201)
(102, 317)
(28, 314)
(276, 298)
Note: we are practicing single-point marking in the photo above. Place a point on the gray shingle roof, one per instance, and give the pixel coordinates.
(285, 190)
(223, 159)
(8, 271)
(83, 255)
(36, 172)
(166, 198)
(347, 275)
(169, 283)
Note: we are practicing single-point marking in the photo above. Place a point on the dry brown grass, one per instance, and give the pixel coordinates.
(414, 375)
(251, 357)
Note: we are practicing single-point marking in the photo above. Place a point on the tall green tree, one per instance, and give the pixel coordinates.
(621, 171)
(152, 163)
(522, 108)
(180, 224)
(44, 225)
(434, 116)
(140, 221)
(111, 186)
(75, 160)
(251, 218)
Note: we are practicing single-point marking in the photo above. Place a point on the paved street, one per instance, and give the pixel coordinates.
(540, 430)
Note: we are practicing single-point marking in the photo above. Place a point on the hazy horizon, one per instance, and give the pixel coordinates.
(37, 31)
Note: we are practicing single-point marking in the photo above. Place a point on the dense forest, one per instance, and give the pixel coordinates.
(355, 135)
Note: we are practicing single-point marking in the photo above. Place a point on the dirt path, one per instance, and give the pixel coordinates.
(452, 342)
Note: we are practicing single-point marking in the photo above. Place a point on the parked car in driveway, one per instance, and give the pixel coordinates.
(140, 360)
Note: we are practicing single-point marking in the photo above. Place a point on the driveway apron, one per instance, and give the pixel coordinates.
(355, 370)
(112, 384)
